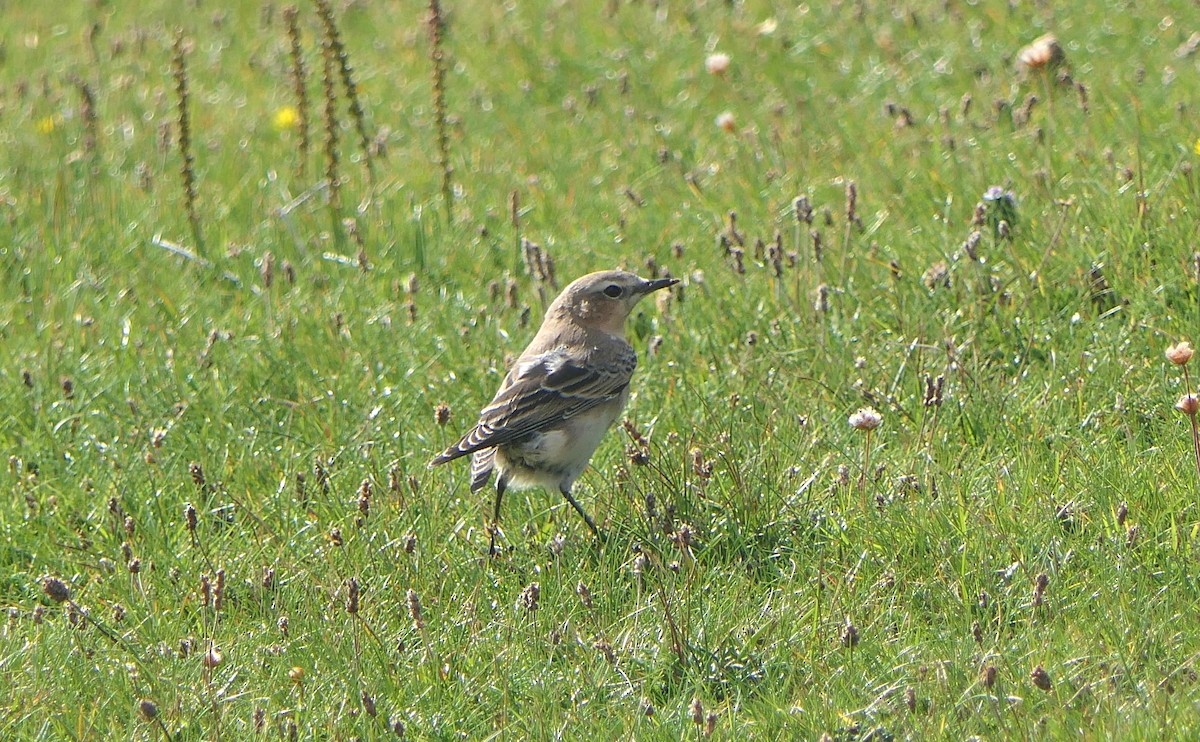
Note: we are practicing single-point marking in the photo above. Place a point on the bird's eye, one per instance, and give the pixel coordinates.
(613, 290)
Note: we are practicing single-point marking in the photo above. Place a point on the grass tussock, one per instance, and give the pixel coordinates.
(901, 459)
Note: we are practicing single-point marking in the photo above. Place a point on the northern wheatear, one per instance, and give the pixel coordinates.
(562, 394)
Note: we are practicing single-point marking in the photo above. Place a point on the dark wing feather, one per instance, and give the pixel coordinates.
(541, 392)
(482, 462)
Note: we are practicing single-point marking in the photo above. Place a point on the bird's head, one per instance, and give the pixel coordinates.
(604, 300)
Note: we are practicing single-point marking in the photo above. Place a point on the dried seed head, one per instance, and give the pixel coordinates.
(684, 536)
(352, 596)
(634, 434)
(989, 676)
(866, 418)
(283, 626)
(260, 713)
(849, 634)
(937, 276)
(321, 474)
(821, 299)
(335, 537)
(979, 218)
(739, 260)
(219, 590)
(637, 456)
(1039, 589)
(585, 595)
(726, 122)
(301, 493)
(710, 723)
(414, 609)
(529, 597)
(802, 210)
(441, 414)
(267, 269)
(606, 649)
(977, 632)
(843, 475)
(368, 702)
(56, 589)
(910, 699)
(1188, 404)
(1122, 514)
(197, 473)
(703, 469)
(409, 543)
(697, 710)
(296, 674)
(1180, 353)
(364, 498)
(190, 517)
(148, 709)
(971, 245)
(1040, 678)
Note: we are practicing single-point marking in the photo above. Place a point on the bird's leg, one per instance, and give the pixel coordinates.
(501, 485)
(579, 509)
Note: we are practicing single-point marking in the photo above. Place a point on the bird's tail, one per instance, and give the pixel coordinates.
(482, 462)
(458, 450)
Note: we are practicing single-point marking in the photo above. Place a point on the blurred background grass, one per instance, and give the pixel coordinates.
(802, 602)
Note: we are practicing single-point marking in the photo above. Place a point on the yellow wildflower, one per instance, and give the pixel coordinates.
(1196, 146)
(45, 125)
(286, 118)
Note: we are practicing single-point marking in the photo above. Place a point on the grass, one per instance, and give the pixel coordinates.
(808, 596)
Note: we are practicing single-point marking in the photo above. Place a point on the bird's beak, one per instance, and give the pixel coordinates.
(657, 283)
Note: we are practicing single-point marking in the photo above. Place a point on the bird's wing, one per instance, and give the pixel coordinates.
(542, 391)
(482, 463)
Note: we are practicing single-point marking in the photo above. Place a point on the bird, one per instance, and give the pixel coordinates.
(561, 395)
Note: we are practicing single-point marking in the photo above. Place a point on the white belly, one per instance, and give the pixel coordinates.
(555, 458)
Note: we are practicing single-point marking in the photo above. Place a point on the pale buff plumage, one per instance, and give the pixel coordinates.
(562, 394)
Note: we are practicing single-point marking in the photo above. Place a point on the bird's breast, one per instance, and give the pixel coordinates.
(562, 453)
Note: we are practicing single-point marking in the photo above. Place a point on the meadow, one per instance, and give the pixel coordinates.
(259, 264)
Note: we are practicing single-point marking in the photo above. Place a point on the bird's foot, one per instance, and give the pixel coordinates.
(493, 530)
